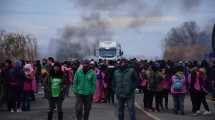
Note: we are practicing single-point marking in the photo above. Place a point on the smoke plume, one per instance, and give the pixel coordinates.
(99, 18)
(81, 41)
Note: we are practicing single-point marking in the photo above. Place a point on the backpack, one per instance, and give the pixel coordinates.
(178, 83)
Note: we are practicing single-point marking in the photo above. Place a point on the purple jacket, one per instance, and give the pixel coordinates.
(184, 87)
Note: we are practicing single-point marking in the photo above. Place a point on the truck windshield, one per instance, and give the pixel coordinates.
(107, 53)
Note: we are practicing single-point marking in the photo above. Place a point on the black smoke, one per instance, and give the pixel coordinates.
(81, 40)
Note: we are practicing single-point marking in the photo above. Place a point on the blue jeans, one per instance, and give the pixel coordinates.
(179, 102)
(122, 101)
(20, 99)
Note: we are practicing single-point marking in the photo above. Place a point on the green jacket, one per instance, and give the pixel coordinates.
(84, 84)
(57, 86)
(125, 82)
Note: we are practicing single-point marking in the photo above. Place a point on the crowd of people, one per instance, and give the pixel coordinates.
(106, 81)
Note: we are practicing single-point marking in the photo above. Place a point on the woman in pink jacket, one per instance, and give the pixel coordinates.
(198, 92)
(144, 84)
(179, 89)
(29, 86)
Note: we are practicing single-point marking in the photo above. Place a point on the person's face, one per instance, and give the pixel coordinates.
(56, 68)
(92, 66)
(163, 71)
(44, 61)
(49, 62)
(123, 64)
(85, 65)
(6, 65)
(27, 70)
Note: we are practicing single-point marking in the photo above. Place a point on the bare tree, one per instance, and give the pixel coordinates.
(213, 39)
(17, 46)
(186, 42)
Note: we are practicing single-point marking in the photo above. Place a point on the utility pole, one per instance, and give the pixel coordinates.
(213, 39)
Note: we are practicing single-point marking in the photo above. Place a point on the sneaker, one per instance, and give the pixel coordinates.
(151, 110)
(19, 110)
(207, 113)
(175, 112)
(12, 111)
(197, 113)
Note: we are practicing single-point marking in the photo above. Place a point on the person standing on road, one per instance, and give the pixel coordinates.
(150, 87)
(27, 87)
(56, 88)
(179, 89)
(97, 97)
(198, 92)
(158, 78)
(48, 65)
(125, 81)
(165, 86)
(143, 84)
(104, 83)
(20, 75)
(84, 87)
(212, 79)
(110, 71)
(38, 68)
(67, 69)
(155, 79)
(12, 85)
(2, 84)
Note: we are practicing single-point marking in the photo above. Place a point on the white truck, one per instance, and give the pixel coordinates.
(109, 50)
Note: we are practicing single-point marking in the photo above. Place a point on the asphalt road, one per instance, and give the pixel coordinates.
(40, 108)
(168, 114)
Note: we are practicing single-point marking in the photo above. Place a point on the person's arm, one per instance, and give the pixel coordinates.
(46, 82)
(75, 83)
(160, 78)
(65, 83)
(93, 83)
(113, 82)
(135, 79)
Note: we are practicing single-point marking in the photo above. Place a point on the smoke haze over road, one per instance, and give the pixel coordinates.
(139, 25)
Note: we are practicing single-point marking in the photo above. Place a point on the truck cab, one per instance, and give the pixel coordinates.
(109, 50)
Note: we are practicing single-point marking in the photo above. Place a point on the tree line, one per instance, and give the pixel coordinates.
(187, 42)
(17, 46)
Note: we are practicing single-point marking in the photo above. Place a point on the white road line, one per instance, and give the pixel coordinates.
(147, 113)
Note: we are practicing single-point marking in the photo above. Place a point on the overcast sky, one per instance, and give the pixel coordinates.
(45, 18)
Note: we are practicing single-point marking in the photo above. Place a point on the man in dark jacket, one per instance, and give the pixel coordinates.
(12, 85)
(212, 78)
(110, 71)
(125, 81)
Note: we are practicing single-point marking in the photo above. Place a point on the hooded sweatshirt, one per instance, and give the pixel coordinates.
(84, 83)
(184, 87)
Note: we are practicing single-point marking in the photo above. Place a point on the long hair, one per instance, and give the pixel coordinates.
(194, 77)
(58, 74)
